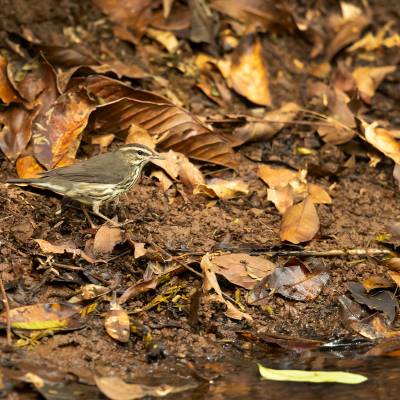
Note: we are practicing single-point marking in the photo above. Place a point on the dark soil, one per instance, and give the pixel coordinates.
(365, 201)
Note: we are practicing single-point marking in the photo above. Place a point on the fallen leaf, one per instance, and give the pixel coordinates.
(138, 288)
(248, 73)
(377, 282)
(223, 189)
(57, 133)
(116, 389)
(300, 223)
(282, 197)
(395, 276)
(318, 194)
(140, 135)
(117, 323)
(310, 376)
(242, 269)
(211, 282)
(382, 140)
(16, 132)
(28, 167)
(47, 247)
(268, 126)
(295, 281)
(369, 78)
(106, 239)
(102, 140)
(164, 180)
(165, 38)
(276, 177)
(171, 126)
(202, 23)
(7, 92)
(51, 316)
(383, 301)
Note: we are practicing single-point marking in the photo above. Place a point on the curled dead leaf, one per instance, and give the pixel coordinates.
(223, 189)
(28, 167)
(106, 239)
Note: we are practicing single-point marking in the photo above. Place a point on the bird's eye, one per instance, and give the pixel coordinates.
(140, 153)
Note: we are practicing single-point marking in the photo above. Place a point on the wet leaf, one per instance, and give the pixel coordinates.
(52, 316)
(7, 92)
(138, 288)
(311, 376)
(28, 167)
(16, 133)
(57, 133)
(295, 281)
(171, 126)
(383, 301)
(268, 126)
(116, 389)
(300, 223)
(106, 239)
(223, 189)
(248, 72)
(117, 323)
(211, 282)
(369, 78)
(47, 247)
(242, 269)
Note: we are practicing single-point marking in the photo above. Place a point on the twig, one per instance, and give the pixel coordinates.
(7, 307)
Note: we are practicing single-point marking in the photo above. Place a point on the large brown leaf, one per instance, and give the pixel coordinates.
(120, 106)
(57, 133)
(16, 132)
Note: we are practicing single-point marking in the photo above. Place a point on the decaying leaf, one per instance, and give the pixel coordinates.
(7, 92)
(106, 239)
(57, 133)
(16, 132)
(117, 323)
(369, 78)
(171, 126)
(28, 167)
(51, 316)
(300, 223)
(223, 189)
(116, 389)
(268, 126)
(138, 288)
(248, 73)
(377, 282)
(47, 247)
(296, 282)
(211, 282)
(242, 269)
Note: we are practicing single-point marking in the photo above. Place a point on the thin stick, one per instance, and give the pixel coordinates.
(7, 306)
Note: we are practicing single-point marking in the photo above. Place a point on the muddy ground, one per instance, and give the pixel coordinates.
(365, 202)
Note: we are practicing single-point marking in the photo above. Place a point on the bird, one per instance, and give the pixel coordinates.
(99, 179)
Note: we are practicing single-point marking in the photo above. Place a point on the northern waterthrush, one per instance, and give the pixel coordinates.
(97, 180)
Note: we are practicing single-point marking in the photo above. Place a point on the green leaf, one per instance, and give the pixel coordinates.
(310, 376)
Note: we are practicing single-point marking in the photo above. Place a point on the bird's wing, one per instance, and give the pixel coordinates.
(104, 168)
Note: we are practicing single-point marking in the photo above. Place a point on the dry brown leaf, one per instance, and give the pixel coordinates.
(47, 247)
(242, 269)
(7, 92)
(300, 223)
(268, 126)
(117, 323)
(171, 126)
(211, 282)
(223, 189)
(102, 140)
(106, 239)
(382, 140)
(140, 135)
(276, 177)
(16, 132)
(369, 78)
(377, 282)
(395, 276)
(248, 72)
(28, 167)
(164, 180)
(318, 194)
(138, 288)
(57, 133)
(165, 38)
(282, 197)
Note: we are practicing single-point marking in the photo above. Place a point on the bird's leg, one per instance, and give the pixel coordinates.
(87, 216)
(96, 211)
